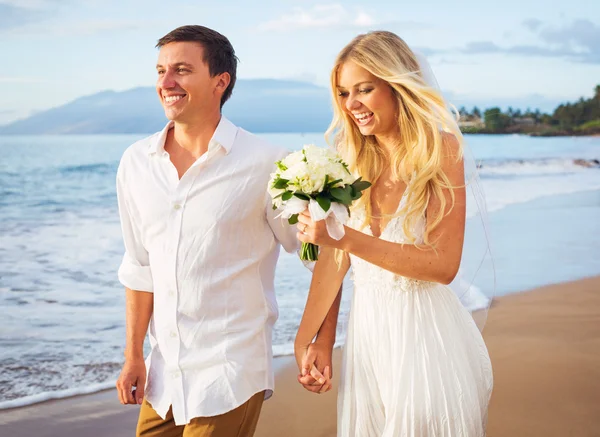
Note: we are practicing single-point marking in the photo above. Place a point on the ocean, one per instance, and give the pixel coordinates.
(62, 327)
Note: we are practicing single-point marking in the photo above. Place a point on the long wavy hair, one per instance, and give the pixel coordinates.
(422, 116)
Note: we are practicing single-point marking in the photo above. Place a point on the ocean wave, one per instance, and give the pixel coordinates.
(536, 167)
(102, 168)
(282, 350)
(35, 260)
(504, 193)
(60, 394)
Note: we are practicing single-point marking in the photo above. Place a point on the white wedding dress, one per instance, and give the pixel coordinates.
(415, 363)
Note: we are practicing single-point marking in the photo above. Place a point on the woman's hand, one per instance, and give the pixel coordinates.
(314, 232)
(306, 359)
(319, 355)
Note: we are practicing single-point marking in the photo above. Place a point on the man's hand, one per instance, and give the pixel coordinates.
(316, 367)
(132, 381)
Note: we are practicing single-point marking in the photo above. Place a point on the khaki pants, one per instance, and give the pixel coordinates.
(240, 422)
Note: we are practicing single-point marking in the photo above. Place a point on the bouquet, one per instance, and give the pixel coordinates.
(315, 178)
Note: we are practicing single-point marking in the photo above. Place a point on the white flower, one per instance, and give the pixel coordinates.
(302, 176)
(275, 194)
(307, 170)
(292, 159)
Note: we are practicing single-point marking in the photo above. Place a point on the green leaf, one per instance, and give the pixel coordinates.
(341, 195)
(361, 185)
(302, 196)
(348, 189)
(287, 196)
(281, 166)
(332, 183)
(345, 166)
(280, 184)
(293, 219)
(324, 202)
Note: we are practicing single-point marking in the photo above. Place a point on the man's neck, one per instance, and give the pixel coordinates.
(195, 137)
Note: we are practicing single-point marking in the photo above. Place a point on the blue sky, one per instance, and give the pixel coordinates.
(525, 52)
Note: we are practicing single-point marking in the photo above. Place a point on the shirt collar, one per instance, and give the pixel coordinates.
(224, 136)
(158, 143)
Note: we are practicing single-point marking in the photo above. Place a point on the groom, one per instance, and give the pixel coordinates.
(201, 244)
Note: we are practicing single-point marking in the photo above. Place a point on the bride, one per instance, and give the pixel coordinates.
(415, 363)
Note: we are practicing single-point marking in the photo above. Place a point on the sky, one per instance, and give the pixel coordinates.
(525, 51)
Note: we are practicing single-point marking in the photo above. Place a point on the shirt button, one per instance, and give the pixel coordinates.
(177, 206)
(173, 334)
(171, 293)
(175, 374)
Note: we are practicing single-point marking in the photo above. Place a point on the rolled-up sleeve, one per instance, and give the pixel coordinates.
(283, 231)
(134, 271)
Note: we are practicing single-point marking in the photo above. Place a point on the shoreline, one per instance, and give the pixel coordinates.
(294, 132)
(532, 134)
(545, 350)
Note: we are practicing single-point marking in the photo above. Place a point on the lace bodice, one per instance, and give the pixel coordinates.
(365, 274)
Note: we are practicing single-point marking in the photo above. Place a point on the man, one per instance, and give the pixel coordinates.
(201, 244)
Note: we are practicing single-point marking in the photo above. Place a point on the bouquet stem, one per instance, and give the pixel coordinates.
(309, 252)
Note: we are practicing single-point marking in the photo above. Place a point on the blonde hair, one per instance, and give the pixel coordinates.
(422, 113)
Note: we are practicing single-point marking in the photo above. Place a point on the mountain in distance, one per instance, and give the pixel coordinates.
(258, 105)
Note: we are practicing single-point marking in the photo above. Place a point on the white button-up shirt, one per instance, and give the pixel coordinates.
(206, 246)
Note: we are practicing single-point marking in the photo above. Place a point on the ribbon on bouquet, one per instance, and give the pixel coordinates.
(335, 218)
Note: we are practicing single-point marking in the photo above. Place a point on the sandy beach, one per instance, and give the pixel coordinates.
(545, 350)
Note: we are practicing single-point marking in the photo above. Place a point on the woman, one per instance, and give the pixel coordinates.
(415, 363)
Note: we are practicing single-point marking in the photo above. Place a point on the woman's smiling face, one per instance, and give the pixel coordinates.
(368, 100)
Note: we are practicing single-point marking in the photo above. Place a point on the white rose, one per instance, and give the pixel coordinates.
(298, 172)
(292, 159)
(274, 192)
(317, 176)
(306, 185)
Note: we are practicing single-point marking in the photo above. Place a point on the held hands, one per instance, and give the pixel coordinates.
(314, 363)
(314, 232)
(132, 381)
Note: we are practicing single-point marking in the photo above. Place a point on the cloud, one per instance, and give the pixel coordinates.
(454, 61)
(532, 24)
(15, 16)
(30, 4)
(75, 28)
(582, 37)
(91, 28)
(481, 47)
(426, 51)
(320, 16)
(577, 41)
(38, 17)
(8, 79)
(487, 47)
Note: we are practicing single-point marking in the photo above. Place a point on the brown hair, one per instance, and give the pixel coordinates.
(218, 51)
